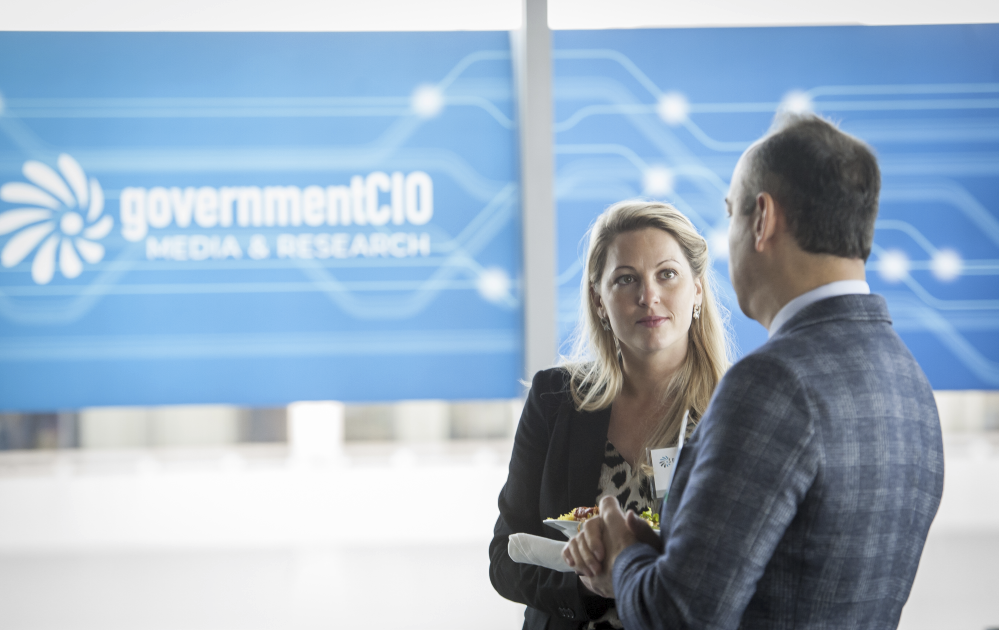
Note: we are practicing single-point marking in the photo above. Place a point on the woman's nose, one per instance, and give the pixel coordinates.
(650, 295)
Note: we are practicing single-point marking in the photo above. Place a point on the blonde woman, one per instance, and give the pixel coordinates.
(651, 346)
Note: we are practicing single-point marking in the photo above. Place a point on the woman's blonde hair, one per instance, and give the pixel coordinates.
(594, 365)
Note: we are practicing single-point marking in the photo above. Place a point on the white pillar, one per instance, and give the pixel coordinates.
(115, 427)
(315, 431)
(194, 425)
(533, 69)
(422, 421)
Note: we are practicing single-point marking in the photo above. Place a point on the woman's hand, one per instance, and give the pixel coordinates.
(602, 586)
(585, 551)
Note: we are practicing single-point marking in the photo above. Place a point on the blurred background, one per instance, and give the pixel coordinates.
(272, 275)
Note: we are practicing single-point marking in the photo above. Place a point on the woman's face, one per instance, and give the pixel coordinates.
(648, 292)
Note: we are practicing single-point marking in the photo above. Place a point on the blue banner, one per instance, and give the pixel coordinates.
(666, 113)
(257, 218)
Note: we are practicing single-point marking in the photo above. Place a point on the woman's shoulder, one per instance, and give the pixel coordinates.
(553, 381)
(557, 387)
(566, 382)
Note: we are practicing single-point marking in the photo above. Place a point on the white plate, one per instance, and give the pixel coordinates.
(569, 528)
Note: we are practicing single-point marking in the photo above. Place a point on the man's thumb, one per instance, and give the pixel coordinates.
(643, 531)
(611, 513)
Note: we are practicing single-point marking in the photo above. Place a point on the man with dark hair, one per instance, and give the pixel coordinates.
(804, 497)
(826, 181)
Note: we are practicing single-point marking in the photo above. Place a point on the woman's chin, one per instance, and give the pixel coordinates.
(654, 345)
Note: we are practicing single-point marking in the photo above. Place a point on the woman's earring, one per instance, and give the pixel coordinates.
(697, 311)
(605, 323)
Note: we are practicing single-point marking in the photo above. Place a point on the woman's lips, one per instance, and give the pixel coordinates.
(652, 321)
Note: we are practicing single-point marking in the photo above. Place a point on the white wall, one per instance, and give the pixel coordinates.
(250, 15)
(416, 15)
(596, 14)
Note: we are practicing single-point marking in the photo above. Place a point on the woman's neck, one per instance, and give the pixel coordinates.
(646, 376)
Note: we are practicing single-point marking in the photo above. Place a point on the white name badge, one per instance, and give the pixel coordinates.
(664, 463)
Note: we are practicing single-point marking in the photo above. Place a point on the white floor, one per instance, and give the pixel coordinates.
(429, 586)
(426, 586)
(381, 536)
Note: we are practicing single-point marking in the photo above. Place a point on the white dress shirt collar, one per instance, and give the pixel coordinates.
(833, 289)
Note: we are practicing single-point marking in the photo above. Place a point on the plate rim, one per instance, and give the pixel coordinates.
(550, 521)
(562, 527)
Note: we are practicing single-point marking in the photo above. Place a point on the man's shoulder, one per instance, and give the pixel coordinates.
(842, 315)
(838, 351)
(847, 324)
(761, 380)
(825, 328)
(769, 363)
(762, 399)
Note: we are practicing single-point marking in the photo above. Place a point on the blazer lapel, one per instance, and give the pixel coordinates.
(587, 440)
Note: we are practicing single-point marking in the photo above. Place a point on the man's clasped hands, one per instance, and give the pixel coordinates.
(593, 551)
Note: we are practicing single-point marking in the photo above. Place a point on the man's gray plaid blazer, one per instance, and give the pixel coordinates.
(804, 497)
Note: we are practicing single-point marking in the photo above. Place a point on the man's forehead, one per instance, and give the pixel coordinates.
(746, 157)
(739, 172)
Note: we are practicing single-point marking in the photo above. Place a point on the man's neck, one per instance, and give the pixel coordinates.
(798, 274)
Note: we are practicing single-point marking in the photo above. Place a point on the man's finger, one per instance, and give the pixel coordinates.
(617, 534)
(643, 531)
(611, 514)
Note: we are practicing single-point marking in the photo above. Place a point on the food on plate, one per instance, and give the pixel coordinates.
(651, 517)
(580, 514)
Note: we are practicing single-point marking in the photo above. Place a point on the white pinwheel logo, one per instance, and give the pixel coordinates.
(62, 220)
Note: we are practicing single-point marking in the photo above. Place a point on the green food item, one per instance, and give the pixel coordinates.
(653, 519)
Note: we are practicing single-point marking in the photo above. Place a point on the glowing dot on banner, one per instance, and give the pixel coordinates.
(427, 101)
(71, 223)
(893, 265)
(947, 265)
(673, 108)
(718, 244)
(493, 284)
(797, 102)
(657, 181)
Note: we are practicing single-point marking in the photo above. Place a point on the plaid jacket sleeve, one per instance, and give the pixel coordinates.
(739, 482)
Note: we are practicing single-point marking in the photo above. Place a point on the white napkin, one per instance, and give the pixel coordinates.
(544, 552)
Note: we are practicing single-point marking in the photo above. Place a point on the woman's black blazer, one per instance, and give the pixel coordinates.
(555, 466)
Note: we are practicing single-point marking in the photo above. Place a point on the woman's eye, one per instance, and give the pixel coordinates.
(625, 280)
(668, 274)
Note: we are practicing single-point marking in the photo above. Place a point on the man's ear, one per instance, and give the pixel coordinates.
(764, 221)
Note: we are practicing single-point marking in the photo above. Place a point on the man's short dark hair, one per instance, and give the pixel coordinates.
(826, 181)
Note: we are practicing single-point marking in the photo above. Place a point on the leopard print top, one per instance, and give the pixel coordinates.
(633, 493)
